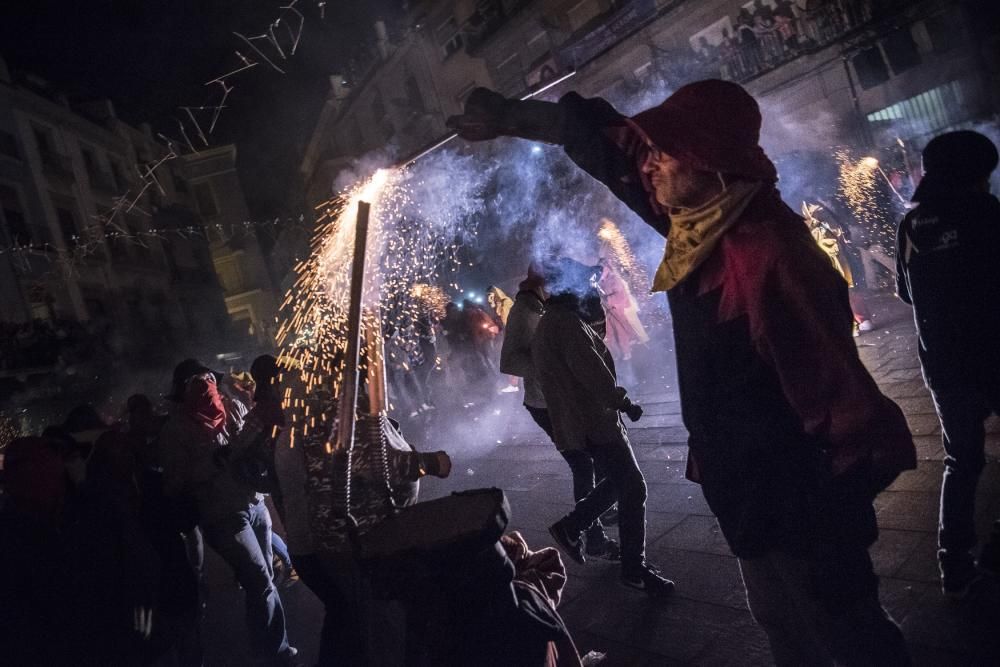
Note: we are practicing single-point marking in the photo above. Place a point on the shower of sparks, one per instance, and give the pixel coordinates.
(620, 253)
(859, 189)
(406, 259)
(431, 299)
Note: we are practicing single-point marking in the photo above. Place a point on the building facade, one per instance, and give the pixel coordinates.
(218, 198)
(69, 249)
(864, 73)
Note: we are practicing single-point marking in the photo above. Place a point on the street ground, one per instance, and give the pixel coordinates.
(706, 622)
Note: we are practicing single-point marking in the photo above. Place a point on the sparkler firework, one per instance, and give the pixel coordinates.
(617, 246)
(408, 255)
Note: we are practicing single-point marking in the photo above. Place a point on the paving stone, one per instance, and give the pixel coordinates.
(684, 497)
(904, 389)
(923, 424)
(908, 510)
(893, 549)
(677, 628)
(920, 405)
(662, 408)
(702, 577)
(659, 524)
(664, 471)
(663, 453)
(697, 533)
(921, 565)
(927, 478)
(659, 435)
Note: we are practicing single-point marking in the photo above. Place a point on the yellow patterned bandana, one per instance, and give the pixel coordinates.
(695, 231)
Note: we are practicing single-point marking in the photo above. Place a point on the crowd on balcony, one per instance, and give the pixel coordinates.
(768, 35)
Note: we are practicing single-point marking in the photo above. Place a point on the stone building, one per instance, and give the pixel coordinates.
(867, 73)
(148, 277)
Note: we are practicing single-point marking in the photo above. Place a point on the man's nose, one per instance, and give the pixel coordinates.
(649, 164)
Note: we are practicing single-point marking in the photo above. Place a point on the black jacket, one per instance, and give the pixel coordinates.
(948, 253)
(789, 434)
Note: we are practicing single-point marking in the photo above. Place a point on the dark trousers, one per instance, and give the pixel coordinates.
(801, 605)
(962, 410)
(340, 640)
(585, 471)
(243, 540)
(623, 484)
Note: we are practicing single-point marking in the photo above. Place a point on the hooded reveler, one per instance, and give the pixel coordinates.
(196, 446)
(578, 380)
(790, 437)
(947, 249)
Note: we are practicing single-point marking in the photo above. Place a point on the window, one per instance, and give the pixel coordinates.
(67, 224)
(12, 214)
(89, 161)
(204, 199)
(449, 37)
(536, 48)
(580, 13)
(925, 113)
(901, 51)
(44, 141)
(870, 67)
(414, 99)
(118, 175)
(8, 145)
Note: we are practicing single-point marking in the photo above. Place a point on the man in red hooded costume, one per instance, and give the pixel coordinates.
(789, 435)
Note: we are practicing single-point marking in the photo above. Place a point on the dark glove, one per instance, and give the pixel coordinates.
(483, 116)
(632, 410)
(488, 115)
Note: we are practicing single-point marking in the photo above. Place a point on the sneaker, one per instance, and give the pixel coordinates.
(606, 549)
(509, 389)
(866, 325)
(569, 543)
(958, 574)
(647, 578)
(287, 658)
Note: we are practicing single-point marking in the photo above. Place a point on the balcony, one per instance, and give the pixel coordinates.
(757, 47)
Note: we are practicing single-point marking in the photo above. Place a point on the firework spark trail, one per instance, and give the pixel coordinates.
(409, 255)
(624, 259)
(858, 188)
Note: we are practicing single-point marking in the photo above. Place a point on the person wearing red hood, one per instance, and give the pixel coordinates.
(195, 446)
(789, 435)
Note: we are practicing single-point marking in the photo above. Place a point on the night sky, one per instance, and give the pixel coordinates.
(152, 56)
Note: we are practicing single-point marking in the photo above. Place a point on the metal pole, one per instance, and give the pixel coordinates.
(348, 405)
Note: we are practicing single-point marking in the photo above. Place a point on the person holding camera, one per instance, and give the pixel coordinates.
(577, 376)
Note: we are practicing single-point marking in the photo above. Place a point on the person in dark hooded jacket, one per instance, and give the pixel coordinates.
(947, 249)
(578, 381)
(789, 435)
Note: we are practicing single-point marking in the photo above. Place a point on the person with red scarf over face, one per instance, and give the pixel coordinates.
(233, 518)
(789, 435)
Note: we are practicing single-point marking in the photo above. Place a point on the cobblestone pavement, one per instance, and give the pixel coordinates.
(707, 622)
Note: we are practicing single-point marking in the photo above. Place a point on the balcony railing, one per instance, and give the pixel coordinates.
(753, 50)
